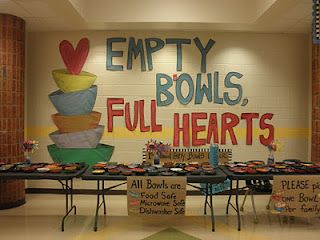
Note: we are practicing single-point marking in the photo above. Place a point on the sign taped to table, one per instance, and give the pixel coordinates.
(296, 196)
(156, 196)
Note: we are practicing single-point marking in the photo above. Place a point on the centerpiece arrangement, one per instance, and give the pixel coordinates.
(29, 146)
(157, 149)
(272, 147)
(79, 132)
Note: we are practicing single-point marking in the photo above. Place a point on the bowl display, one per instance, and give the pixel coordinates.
(83, 139)
(77, 123)
(71, 83)
(74, 103)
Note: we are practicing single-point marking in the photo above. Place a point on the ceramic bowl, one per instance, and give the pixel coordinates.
(210, 172)
(176, 169)
(167, 173)
(98, 172)
(126, 172)
(153, 172)
(43, 170)
(114, 171)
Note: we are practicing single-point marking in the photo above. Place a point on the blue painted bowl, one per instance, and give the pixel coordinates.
(74, 103)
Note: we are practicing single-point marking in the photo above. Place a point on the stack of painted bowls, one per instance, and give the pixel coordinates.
(79, 132)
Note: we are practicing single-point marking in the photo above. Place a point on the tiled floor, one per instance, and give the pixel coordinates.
(40, 218)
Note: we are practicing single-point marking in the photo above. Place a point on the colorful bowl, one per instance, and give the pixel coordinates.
(84, 139)
(74, 103)
(98, 171)
(69, 124)
(89, 156)
(71, 83)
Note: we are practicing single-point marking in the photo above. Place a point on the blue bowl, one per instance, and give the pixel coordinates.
(74, 103)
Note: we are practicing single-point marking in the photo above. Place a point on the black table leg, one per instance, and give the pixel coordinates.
(97, 207)
(206, 199)
(229, 199)
(211, 208)
(103, 199)
(237, 205)
(69, 193)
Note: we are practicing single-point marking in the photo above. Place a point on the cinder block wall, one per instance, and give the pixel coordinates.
(276, 80)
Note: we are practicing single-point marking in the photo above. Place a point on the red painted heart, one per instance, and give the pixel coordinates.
(74, 59)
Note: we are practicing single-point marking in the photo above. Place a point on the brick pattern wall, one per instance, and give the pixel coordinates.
(12, 67)
(315, 152)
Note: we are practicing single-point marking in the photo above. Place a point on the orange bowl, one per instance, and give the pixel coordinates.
(76, 123)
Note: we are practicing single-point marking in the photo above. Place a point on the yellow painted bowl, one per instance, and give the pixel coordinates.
(68, 82)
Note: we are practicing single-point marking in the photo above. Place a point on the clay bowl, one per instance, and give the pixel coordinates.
(209, 172)
(288, 170)
(70, 169)
(167, 173)
(190, 169)
(99, 166)
(56, 170)
(69, 124)
(153, 172)
(114, 171)
(98, 172)
(181, 173)
(263, 170)
(251, 171)
(239, 170)
(194, 164)
(126, 172)
(138, 171)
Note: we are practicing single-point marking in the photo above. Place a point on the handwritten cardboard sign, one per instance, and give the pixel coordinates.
(183, 155)
(296, 196)
(156, 196)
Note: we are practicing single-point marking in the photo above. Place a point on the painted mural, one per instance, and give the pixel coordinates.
(204, 86)
(78, 135)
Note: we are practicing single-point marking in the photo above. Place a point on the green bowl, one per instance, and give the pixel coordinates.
(91, 156)
(68, 82)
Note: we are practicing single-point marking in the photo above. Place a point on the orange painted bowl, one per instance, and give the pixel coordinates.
(68, 82)
(69, 124)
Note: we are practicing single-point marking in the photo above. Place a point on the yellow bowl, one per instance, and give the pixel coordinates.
(68, 82)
